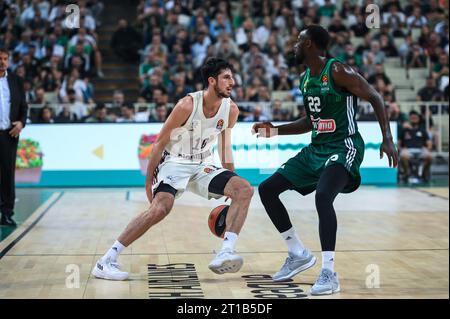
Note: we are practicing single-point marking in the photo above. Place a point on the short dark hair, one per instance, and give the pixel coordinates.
(5, 51)
(99, 106)
(319, 36)
(414, 113)
(128, 105)
(212, 68)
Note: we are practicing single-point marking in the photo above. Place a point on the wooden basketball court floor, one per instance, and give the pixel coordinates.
(392, 243)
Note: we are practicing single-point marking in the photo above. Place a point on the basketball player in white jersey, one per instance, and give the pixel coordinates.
(181, 160)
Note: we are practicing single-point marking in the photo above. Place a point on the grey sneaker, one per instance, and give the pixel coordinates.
(226, 261)
(295, 264)
(326, 284)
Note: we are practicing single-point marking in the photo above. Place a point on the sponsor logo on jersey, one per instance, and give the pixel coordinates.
(219, 125)
(207, 170)
(323, 126)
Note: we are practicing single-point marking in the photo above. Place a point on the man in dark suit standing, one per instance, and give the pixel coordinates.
(13, 115)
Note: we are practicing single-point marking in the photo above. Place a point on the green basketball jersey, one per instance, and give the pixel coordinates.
(332, 111)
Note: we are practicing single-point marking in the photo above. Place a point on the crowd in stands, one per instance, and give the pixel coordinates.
(56, 63)
(170, 39)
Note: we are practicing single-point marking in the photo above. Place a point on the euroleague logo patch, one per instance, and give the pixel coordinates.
(324, 80)
(219, 125)
(208, 170)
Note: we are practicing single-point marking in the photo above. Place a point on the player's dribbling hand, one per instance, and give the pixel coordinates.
(265, 129)
(389, 148)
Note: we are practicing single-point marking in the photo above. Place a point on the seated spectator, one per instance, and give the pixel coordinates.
(404, 49)
(182, 66)
(388, 46)
(155, 83)
(30, 96)
(218, 25)
(327, 9)
(39, 97)
(66, 115)
(238, 94)
(414, 140)
(359, 29)
(126, 42)
(225, 47)
(416, 57)
(127, 113)
(380, 80)
(262, 33)
(338, 48)
(77, 107)
(395, 114)
(416, 20)
(429, 92)
(375, 49)
(118, 99)
(159, 115)
(277, 107)
(179, 89)
(45, 115)
(256, 116)
(156, 45)
(100, 115)
(200, 47)
(440, 71)
(89, 47)
(282, 82)
(336, 27)
(394, 19)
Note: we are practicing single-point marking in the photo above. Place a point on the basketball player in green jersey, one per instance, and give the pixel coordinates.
(330, 164)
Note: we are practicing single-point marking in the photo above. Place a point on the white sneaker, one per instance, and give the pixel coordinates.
(108, 270)
(226, 261)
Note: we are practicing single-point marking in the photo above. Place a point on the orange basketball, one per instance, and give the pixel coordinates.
(217, 219)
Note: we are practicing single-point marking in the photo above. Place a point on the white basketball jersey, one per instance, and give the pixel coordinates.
(193, 141)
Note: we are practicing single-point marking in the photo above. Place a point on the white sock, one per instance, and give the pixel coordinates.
(295, 245)
(114, 251)
(328, 260)
(229, 240)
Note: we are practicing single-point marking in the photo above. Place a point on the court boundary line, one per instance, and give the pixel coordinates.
(430, 194)
(46, 206)
(241, 252)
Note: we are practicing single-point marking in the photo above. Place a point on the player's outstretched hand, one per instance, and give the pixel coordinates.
(389, 148)
(265, 129)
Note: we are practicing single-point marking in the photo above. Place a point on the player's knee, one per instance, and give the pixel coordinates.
(244, 191)
(156, 214)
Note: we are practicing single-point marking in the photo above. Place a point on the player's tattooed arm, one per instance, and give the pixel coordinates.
(345, 77)
(225, 145)
(177, 118)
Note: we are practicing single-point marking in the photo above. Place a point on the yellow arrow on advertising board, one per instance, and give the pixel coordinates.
(98, 152)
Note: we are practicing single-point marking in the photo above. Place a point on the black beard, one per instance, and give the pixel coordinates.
(219, 93)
